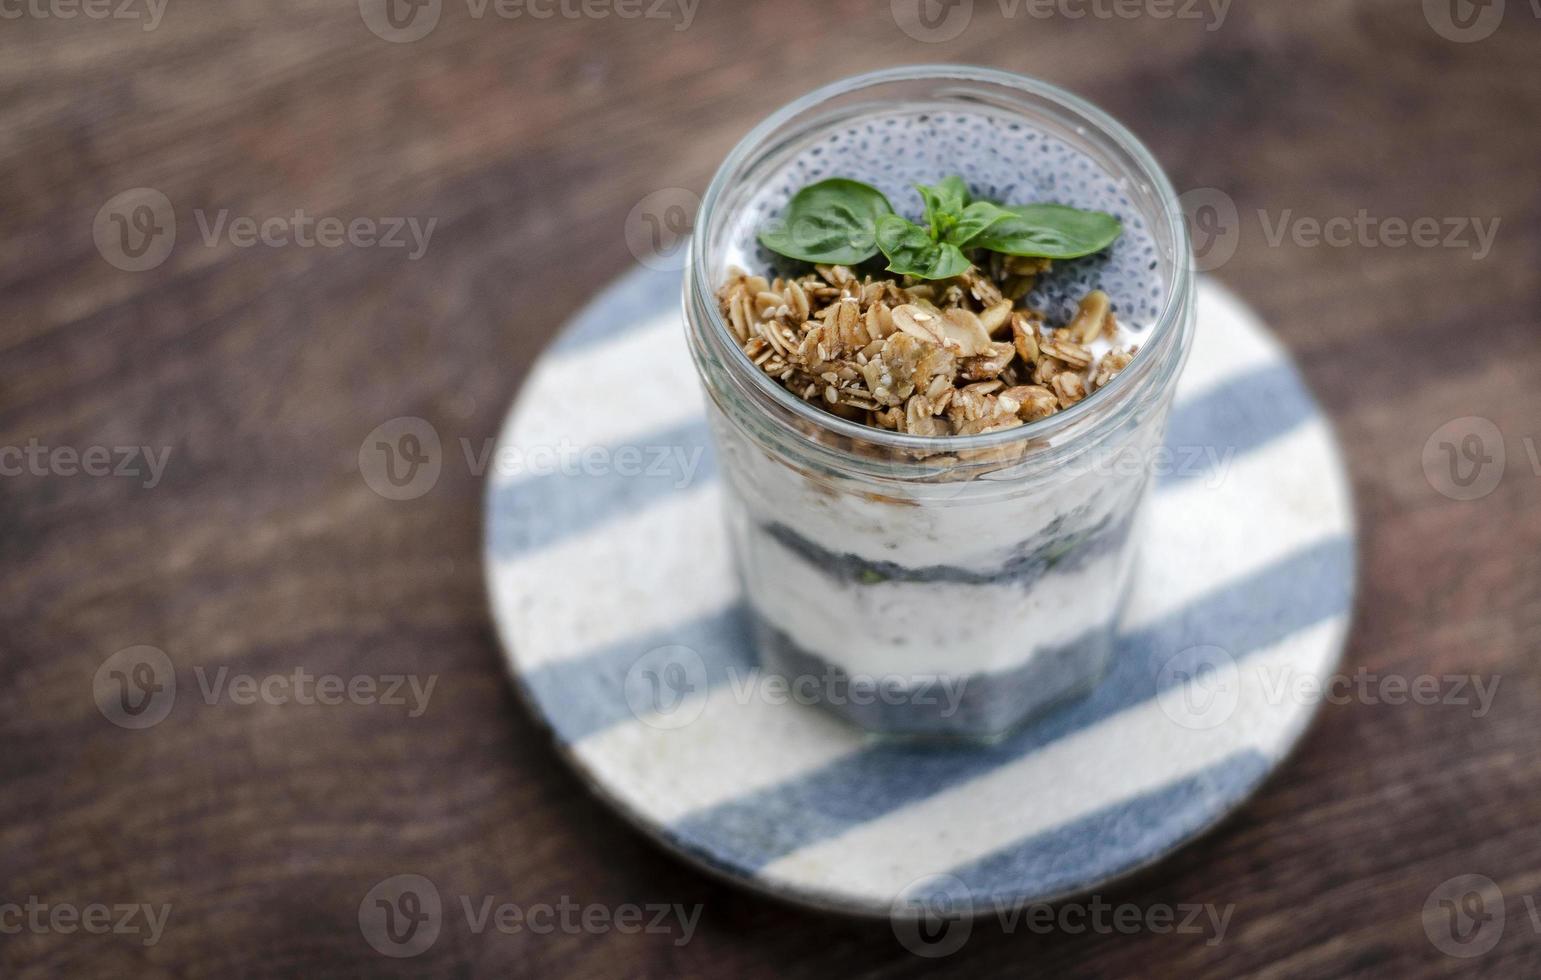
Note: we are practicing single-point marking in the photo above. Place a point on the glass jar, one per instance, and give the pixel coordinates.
(936, 585)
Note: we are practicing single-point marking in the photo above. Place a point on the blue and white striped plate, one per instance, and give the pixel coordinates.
(611, 586)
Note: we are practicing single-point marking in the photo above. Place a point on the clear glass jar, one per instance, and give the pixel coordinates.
(928, 585)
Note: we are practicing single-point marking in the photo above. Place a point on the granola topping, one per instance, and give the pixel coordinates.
(947, 357)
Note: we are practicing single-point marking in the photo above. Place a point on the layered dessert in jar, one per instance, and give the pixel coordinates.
(939, 313)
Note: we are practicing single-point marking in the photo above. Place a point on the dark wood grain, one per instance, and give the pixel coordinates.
(262, 549)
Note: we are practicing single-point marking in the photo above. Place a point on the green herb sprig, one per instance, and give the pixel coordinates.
(845, 222)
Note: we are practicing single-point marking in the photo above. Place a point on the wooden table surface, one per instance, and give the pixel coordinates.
(259, 548)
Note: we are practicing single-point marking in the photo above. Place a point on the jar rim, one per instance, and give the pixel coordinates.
(1171, 319)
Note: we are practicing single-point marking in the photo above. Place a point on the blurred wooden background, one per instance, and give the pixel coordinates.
(262, 549)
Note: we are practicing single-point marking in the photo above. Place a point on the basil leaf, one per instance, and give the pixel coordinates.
(833, 221)
(911, 251)
(975, 220)
(950, 196)
(944, 203)
(1050, 231)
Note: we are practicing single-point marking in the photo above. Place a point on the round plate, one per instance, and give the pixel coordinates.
(614, 597)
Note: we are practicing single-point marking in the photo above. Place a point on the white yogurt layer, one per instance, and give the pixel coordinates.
(892, 626)
(916, 630)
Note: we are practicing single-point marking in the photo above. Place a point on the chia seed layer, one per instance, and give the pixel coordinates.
(970, 705)
(1054, 549)
(1002, 159)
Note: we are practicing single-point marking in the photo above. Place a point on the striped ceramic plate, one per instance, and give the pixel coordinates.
(611, 585)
